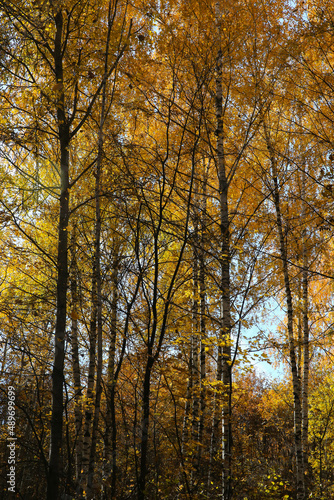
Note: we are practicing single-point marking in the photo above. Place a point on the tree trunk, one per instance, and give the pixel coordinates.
(90, 386)
(110, 429)
(202, 295)
(76, 361)
(184, 434)
(195, 369)
(293, 361)
(145, 427)
(225, 278)
(216, 417)
(306, 351)
(60, 330)
(98, 299)
(97, 285)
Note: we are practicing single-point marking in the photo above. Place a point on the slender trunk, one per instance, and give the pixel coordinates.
(225, 279)
(110, 429)
(184, 434)
(145, 427)
(306, 352)
(195, 329)
(98, 176)
(97, 404)
(148, 371)
(300, 329)
(75, 361)
(195, 371)
(98, 299)
(202, 294)
(4, 359)
(60, 329)
(293, 361)
(97, 285)
(90, 387)
(216, 416)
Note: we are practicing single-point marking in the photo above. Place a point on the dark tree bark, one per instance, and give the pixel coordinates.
(75, 359)
(225, 334)
(62, 277)
(296, 381)
(306, 335)
(203, 333)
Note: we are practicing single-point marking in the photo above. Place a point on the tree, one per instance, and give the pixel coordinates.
(51, 33)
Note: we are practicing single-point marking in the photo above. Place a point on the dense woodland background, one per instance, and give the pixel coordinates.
(167, 182)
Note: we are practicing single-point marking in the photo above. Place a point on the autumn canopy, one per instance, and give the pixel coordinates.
(166, 234)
